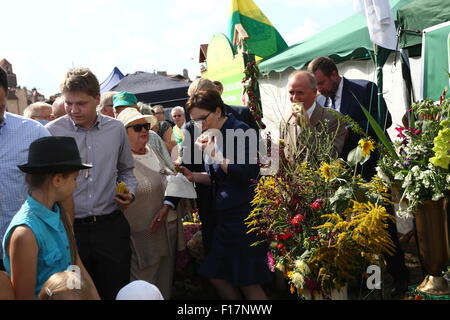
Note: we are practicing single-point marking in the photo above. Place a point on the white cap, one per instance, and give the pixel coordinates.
(129, 115)
(139, 290)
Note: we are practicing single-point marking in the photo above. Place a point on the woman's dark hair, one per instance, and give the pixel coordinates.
(3, 79)
(208, 100)
(40, 180)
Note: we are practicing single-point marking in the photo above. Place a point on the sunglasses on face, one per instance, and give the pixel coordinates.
(138, 127)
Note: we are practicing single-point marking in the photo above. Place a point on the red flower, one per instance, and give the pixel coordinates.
(298, 229)
(280, 246)
(297, 219)
(312, 238)
(316, 205)
(400, 133)
(286, 236)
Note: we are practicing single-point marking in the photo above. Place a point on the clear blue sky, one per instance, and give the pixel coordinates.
(46, 38)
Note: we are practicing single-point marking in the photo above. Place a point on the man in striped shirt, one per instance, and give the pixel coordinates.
(16, 135)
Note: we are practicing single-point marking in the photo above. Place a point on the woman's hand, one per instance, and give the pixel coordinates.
(159, 218)
(186, 172)
(204, 141)
(207, 144)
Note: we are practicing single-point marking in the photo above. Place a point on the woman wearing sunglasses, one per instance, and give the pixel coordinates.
(156, 229)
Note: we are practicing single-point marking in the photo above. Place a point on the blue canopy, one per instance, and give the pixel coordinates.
(112, 80)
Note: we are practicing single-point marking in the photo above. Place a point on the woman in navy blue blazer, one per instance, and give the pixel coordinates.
(231, 168)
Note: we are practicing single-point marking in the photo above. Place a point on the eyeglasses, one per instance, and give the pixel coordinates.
(138, 127)
(200, 121)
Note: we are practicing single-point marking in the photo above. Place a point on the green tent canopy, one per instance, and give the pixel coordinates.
(349, 39)
(419, 15)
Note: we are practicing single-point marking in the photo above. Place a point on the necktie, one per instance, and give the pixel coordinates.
(332, 105)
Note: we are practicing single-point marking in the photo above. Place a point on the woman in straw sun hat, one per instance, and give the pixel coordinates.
(156, 228)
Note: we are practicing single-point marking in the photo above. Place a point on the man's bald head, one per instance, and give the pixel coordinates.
(58, 108)
(302, 87)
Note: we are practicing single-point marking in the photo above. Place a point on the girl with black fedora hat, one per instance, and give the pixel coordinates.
(39, 241)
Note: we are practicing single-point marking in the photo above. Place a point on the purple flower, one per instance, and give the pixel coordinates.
(271, 262)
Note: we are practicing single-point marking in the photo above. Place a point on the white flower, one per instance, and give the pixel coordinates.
(399, 176)
(415, 170)
(382, 175)
(297, 279)
(437, 196)
(302, 266)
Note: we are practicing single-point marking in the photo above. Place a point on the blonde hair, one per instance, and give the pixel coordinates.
(201, 84)
(34, 110)
(57, 287)
(80, 80)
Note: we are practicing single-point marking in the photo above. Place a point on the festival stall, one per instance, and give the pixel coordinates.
(348, 43)
(155, 89)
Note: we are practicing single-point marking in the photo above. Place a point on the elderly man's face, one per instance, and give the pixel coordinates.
(2, 103)
(46, 114)
(58, 108)
(107, 111)
(299, 88)
(178, 118)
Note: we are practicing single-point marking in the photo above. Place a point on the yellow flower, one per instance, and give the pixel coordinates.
(367, 146)
(280, 266)
(292, 289)
(325, 171)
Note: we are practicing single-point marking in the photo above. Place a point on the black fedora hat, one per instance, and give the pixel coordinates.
(53, 155)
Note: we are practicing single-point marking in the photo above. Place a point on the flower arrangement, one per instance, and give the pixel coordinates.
(419, 166)
(325, 224)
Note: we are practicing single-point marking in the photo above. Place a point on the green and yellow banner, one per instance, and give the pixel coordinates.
(264, 40)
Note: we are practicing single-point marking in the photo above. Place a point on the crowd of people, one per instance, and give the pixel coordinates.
(97, 186)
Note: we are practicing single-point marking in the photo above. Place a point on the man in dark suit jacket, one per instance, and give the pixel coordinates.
(346, 96)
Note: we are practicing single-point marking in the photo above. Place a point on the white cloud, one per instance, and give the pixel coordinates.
(312, 3)
(51, 36)
(307, 29)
